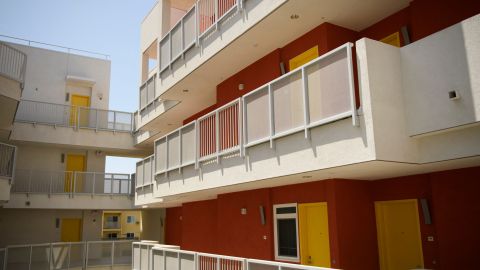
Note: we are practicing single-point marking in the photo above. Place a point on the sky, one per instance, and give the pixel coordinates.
(110, 27)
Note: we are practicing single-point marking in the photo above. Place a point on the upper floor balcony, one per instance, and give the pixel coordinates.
(312, 123)
(192, 54)
(43, 189)
(8, 154)
(45, 122)
(12, 79)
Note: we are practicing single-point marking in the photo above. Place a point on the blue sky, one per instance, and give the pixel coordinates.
(108, 26)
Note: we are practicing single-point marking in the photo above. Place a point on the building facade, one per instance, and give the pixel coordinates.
(338, 134)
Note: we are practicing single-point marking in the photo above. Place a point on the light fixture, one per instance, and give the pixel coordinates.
(241, 86)
(185, 90)
(294, 16)
(306, 176)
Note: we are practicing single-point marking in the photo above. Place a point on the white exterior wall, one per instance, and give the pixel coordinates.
(47, 71)
(38, 226)
(445, 61)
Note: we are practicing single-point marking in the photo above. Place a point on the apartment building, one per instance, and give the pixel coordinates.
(56, 131)
(338, 134)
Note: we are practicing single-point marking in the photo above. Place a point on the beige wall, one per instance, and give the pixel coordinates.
(50, 84)
(153, 221)
(38, 226)
(48, 158)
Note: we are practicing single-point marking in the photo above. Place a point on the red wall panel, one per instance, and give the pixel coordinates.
(199, 226)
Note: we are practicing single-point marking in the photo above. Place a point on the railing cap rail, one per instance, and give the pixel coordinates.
(73, 106)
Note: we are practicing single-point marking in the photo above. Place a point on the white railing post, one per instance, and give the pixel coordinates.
(271, 114)
(51, 183)
(306, 108)
(113, 252)
(73, 182)
(30, 258)
(197, 143)
(239, 126)
(351, 85)
(197, 24)
(217, 134)
(29, 181)
(78, 117)
(111, 184)
(70, 255)
(114, 121)
(96, 120)
(85, 254)
(216, 13)
(93, 186)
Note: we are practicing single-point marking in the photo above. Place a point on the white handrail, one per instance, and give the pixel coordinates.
(59, 254)
(39, 112)
(13, 63)
(226, 129)
(192, 260)
(32, 181)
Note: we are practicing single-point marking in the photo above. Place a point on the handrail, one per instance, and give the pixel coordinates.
(69, 50)
(228, 128)
(31, 181)
(8, 158)
(157, 254)
(13, 63)
(40, 112)
(62, 255)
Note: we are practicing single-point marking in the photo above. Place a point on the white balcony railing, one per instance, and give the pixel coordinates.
(149, 256)
(13, 63)
(204, 16)
(317, 93)
(144, 172)
(73, 116)
(71, 183)
(7, 161)
(67, 255)
(148, 91)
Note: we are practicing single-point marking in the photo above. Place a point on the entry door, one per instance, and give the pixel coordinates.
(79, 101)
(398, 234)
(75, 163)
(314, 238)
(71, 230)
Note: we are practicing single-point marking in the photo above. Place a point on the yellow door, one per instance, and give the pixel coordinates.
(303, 58)
(314, 239)
(79, 101)
(75, 163)
(398, 234)
(71, 230)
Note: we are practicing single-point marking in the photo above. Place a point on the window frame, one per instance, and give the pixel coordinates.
(275, 231)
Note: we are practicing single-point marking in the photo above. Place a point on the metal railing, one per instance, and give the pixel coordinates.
(13, 63)
(8, 154)
(67, 255)
(68, 182)
(204, 16)
(44, 45)
(317, 93)
(73, 116)
(149, 256)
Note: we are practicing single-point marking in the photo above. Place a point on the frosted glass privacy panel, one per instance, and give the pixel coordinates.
(328, 87)
(189, 28)
(177, 46)
(188, 144)
(164, 53)
(160, 155)
(257, 116)
(173, 150)
(288, 103)
(147, 165)
(139, 174)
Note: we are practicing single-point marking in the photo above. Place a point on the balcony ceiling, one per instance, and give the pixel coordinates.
(274, 31)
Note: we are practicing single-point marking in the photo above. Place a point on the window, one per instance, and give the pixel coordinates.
(130, 219)
(130, 235)
(286, 232)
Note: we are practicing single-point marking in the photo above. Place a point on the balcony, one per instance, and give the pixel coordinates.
(305, 125)
(281, 120)
(45, 122)
(74, 255)
(150, 256)
(67, 189)
(12, 78)
(7, 169)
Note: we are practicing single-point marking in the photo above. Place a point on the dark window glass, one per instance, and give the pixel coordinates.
(287, 237)
(287, 210)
